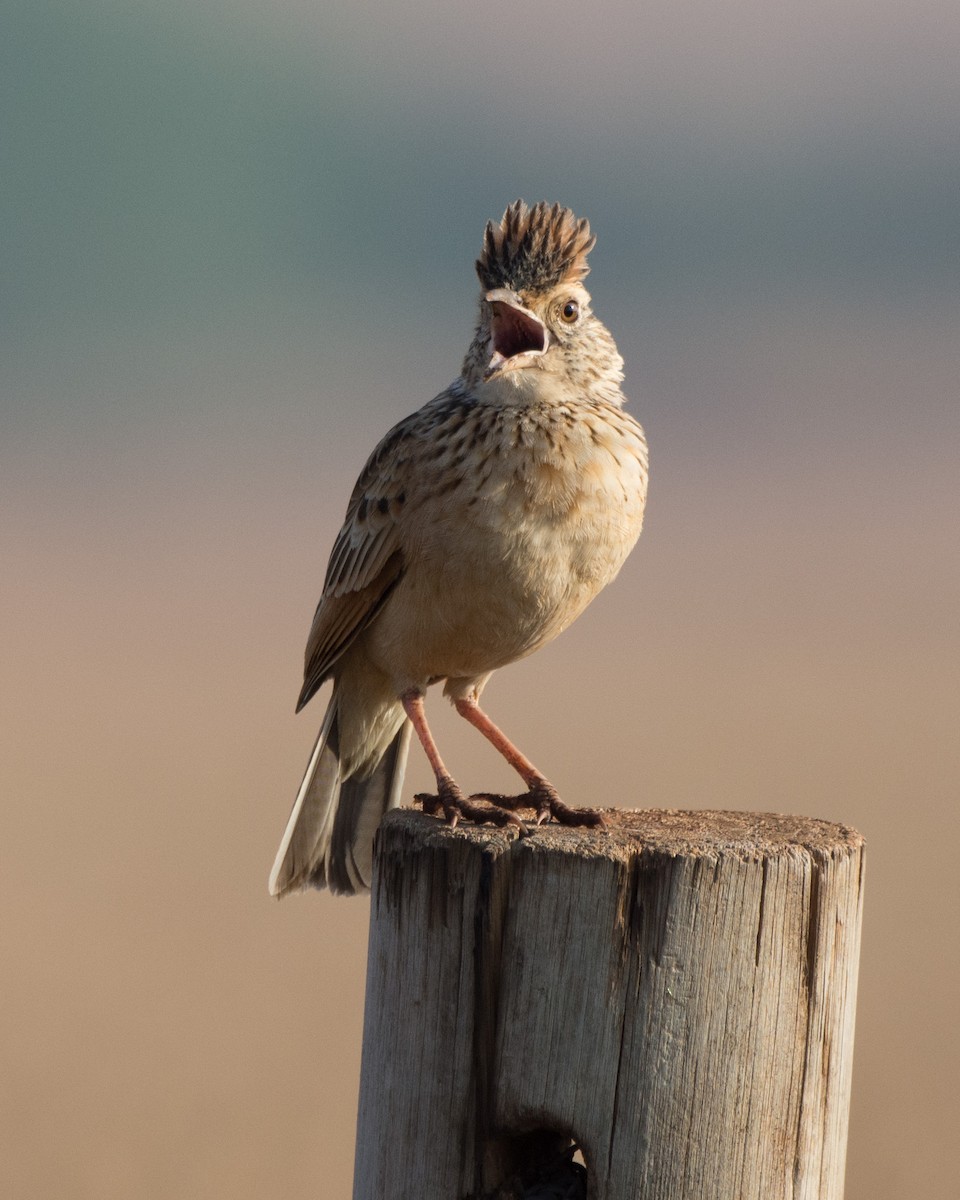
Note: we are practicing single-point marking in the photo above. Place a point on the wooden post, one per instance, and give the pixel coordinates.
(674, 993)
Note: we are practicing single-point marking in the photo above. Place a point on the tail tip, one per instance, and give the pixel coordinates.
(274, 886)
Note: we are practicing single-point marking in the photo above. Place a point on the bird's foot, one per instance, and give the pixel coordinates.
(544, 798)
(455, 805)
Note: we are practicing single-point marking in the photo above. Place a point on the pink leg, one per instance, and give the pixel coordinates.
(542, 795)
(448, 797)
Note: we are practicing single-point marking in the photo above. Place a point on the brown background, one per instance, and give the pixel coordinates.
(241, 248)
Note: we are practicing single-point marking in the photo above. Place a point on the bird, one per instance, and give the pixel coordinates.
(480, 527)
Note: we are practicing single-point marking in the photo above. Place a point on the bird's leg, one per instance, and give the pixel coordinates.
(542, 795)
(449, 797)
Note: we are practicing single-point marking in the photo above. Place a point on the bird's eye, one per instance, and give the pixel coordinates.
(570, 312)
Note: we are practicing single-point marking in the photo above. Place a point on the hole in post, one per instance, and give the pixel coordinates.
(543, 1165)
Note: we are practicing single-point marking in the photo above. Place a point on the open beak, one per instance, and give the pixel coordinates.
(517, 337)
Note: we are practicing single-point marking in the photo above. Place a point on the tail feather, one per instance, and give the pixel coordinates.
(328, 840)
(349, 860)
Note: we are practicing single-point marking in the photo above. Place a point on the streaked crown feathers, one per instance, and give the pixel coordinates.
(534, 249)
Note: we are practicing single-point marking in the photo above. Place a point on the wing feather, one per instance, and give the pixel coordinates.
(365, 564)
(339, 620)
(367, 560)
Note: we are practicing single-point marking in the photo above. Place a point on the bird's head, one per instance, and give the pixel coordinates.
(536, 331)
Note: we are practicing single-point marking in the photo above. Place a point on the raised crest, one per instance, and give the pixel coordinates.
(533, 249)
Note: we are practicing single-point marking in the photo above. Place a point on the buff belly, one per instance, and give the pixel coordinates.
(479, 598)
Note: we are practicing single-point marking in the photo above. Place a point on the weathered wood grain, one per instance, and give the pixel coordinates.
(675, 992)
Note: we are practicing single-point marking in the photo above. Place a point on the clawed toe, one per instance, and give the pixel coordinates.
(589, 818)
(499, 800)
(543, 798)
(429, 803)
(455, 805)
(550, 806)
(494, 808)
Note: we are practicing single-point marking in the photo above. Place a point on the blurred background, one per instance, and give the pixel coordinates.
(237, 245)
